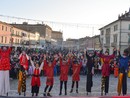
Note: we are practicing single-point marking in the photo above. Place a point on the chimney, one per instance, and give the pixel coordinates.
(125, 13)
(119, 16)
(25, 23)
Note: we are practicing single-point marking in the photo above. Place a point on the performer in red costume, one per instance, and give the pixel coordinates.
(106, 70)
(64, 69)
(76, 66)
(4, 69)
(35, 83)
(49, 69)
(24, 60)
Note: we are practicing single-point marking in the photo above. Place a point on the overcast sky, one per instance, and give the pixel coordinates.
(94, 13)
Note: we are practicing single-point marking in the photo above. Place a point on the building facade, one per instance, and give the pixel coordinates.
(45, 31)
(71, 44)
(91, 43)
(58, 36)
(5, 33)
(20, 37)
(116, 34)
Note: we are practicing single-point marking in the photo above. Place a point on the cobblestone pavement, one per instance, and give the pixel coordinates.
(82, 87)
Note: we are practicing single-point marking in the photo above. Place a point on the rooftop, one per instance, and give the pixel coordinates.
(124, 17)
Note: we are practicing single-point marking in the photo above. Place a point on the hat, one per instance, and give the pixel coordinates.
(106, 52)
(125, 52)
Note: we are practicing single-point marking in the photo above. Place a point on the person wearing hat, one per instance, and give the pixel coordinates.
(35, 83)
(64, 69)
(106, 58)
(123, 68)
(76, 66)
(49, 71)
(90, 70)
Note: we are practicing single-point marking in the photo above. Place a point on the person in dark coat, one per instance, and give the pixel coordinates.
(90, 70)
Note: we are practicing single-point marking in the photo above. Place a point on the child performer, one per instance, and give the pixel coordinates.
(116, 69)
(64, 69)
(76, 66)
(35, 83)
(49, 69)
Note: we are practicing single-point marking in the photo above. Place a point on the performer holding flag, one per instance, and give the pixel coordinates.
(4, 69)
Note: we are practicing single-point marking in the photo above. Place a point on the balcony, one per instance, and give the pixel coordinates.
(15, 35)
(114, 44)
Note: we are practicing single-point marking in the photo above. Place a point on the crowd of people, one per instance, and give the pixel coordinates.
(21, 62)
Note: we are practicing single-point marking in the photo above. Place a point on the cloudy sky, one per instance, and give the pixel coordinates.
(76, 18)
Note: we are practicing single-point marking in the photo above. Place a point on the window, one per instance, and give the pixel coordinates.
(15, 40)
(6, 29)
(102, 32)
(2, 39)
(107, 39)
(115, 38)
(115, 27)
(101, 40)
(10, 29)
(2, 28)
(18, 40)
(5, 39)
(16, 32)
(108, 31)
(129, 26)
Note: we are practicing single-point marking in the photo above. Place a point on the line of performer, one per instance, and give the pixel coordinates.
(48, 63)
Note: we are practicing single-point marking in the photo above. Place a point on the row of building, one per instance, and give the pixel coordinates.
(92, 43)
(113, 35)
(32, 35)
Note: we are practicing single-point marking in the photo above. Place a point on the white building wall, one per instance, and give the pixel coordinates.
(124, 35)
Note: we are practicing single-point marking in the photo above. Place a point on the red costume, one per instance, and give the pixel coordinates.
(76, 72)
(116, 70)
(49, 72)
(5, 59)
(64, 69)
(24, 61)
(36, 78)
(106, 63)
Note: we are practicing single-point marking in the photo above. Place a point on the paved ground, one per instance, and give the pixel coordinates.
(82, 87)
